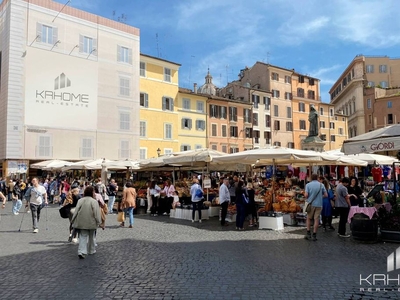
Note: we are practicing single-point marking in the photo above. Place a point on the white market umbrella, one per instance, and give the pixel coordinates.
(122, 164)
(368, 157)
(193, 157)
(383, 139)
(97, 164)
(52, 164)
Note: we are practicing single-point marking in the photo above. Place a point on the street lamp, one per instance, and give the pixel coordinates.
(158, 152)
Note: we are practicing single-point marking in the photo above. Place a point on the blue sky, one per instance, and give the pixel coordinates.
(315, 37)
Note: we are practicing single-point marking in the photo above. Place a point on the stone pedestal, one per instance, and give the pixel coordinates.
(313, 143)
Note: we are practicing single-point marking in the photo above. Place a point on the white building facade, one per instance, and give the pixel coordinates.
(69, 85)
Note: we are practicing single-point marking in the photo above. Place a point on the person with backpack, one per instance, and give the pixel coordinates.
(197, 198)
(16, 196)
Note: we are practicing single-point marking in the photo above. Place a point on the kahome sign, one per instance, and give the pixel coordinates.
(383, 282)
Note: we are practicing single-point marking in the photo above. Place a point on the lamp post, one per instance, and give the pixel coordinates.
(158, 152)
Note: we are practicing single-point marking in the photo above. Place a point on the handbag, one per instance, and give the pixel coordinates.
(121, 216)
(65, 211)
(105, 209)
(308, 204)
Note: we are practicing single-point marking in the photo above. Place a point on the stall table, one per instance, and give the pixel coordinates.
(186, 214)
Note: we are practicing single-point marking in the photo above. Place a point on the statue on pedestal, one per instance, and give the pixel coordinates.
(313, 119)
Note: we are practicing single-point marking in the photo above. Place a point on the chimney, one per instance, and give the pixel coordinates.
(195, 88)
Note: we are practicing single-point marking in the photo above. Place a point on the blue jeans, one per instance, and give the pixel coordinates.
(130, 211)
(240, 215)
(17, 204)
(111, 200)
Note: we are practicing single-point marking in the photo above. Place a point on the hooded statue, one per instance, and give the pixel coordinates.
(313, 118)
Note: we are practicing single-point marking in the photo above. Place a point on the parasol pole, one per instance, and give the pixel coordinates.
(273, 180)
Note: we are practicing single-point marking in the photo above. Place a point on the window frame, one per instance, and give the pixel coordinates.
(167, 77)
(168, 131)
(143, 128)
(84, 149)
(126, 122)
(142, 71)
(186, 105)
(144, 99)
(124, 91)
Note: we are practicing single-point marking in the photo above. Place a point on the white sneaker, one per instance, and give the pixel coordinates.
(35, 230)
(16, 213)
(164, 214)
(192, 221)
(75, 240)
(28, 211)
(199, 221)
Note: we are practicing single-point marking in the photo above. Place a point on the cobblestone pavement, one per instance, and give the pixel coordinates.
(162, 258)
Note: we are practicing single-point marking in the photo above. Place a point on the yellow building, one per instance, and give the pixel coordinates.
(192, 116)
(159, 121)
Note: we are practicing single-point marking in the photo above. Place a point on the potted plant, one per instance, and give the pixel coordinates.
(389, 223)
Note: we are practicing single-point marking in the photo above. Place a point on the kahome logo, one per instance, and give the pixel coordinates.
(383, 282)
(62, 97)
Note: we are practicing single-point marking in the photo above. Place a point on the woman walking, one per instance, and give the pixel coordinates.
(240, 192)
(102, 205)
(86, 218)
(327, 209)
(128, 203)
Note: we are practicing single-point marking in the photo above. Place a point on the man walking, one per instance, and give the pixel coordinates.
(314, 193)
(113, 189)
(342, 204)
(224, 198)
(37, 195)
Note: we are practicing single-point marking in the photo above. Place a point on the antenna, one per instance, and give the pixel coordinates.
(268, 58)
(226, 69)
(158, 49)
(61, 10)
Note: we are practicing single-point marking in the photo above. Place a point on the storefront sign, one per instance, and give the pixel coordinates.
(207, 183)
(16, 167)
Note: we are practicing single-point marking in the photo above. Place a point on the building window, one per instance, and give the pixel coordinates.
(390, 118)
(233, 131)
(323, 137)
(340, 131)
(124, 54)
(44, 148)
(124, 86)
(144, 100)
(248, 133)
(167, 103)
(289, 112)
(168, 151)
(87, 45)
(382, 69)
(223, 112)
(256, 100)
(301, 78)
(256, 135)
(87, 148)
(290, 145)
(124, 151)
(331, 112)
(288, 96)
(200, 124)
(289, 126)
(223, 148)
(232, 113)
(389, 104)
(234, 149)
(300, 92)
(302, 124)
(223, 130)
(354, 106)
(331, 125)
(369, 68)
(143, 153)
(371, 84)
(369, 103)
(275, 76)
(142, 69)
(383, 84)
(255, 119)
(168, 131)
(124, 120)
(247, 115)
(46, 34)
(167, 74)
(276, 93)
(267, 121)
(302, 107)
(185, 147)
(186, 123)
(214, 129)
(333, 138)
(321, 111)
(186, 104)
(213, 111)
(214, 147)
(200, 106)
(278, 144)
(267, 102)
(276, 110)
(277, 125)
(288, 79)
(322, 124)
(143, 126)
(311, 94)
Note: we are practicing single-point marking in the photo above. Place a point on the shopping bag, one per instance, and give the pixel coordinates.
(121, 216)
